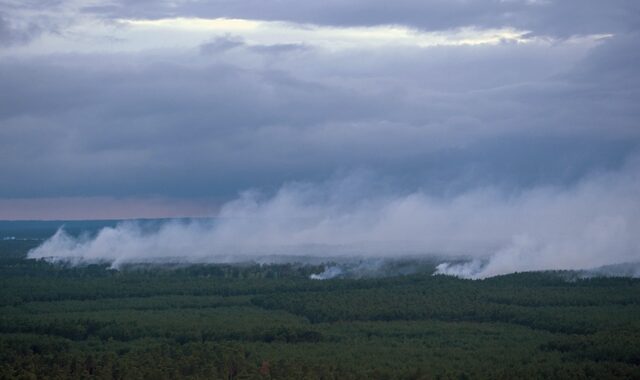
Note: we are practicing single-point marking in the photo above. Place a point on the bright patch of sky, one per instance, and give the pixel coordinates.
(130, 35)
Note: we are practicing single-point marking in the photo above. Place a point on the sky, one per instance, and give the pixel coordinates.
(499, 123)
(114, 109)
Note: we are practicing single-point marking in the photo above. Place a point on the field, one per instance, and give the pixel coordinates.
(272, 322)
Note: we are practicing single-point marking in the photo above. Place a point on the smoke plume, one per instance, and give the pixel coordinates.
(479, 233)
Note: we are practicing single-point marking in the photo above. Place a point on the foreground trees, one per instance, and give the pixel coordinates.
(272, 322)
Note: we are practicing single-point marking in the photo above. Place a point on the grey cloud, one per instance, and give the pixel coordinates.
(12, 34)
(23, 21)
(221, 44)
(612, 65)
(441, 119)
(278, 49)
(553, 17)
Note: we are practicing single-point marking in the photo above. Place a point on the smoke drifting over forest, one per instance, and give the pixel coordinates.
(590, 224)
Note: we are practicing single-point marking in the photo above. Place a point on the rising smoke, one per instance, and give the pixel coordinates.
(590, 224)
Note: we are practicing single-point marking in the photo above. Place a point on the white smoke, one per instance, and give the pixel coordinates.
(327, 274)
(593, 223)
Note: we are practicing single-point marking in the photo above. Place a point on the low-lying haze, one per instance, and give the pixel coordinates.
(590, 224)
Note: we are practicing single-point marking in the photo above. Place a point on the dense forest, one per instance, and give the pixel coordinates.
(253, 321)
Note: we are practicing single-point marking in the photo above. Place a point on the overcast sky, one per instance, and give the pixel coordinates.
(123, 109)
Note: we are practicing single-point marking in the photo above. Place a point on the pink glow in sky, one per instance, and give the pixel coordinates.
(83, 208)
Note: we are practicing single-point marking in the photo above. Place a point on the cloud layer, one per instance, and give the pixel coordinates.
(226, 114)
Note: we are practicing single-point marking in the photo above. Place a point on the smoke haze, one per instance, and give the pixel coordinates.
(592, 223)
